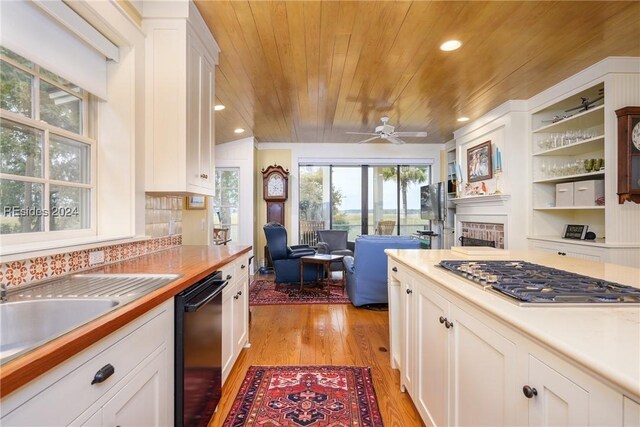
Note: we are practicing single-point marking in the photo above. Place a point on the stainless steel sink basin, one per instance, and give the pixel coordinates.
(34, 315)
(26, 324)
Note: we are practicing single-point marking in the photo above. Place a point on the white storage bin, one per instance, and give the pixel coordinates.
(585, 193)
(564, 194)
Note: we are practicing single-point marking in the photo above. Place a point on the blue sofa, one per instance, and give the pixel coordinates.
(367, 271)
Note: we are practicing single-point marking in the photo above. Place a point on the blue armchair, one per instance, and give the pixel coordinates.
(367, 272)
(286, 259)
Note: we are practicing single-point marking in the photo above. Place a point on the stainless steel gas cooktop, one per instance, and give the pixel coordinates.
(533, 283)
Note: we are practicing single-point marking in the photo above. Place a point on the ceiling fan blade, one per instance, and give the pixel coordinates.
(369, 139)
(411, 134)
(394, 140)
(362, 133)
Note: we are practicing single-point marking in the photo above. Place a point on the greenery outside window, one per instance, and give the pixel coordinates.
(47, 160)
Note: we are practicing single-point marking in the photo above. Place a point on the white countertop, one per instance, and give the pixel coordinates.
(603, 339)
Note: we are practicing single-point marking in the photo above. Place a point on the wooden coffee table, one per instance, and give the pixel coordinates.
(325, 260)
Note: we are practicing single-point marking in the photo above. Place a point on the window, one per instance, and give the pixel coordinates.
(226, 202)
(380, 199)
(47, 179)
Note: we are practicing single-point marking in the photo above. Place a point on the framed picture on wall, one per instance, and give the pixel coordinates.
(479, 165)
(196, 202)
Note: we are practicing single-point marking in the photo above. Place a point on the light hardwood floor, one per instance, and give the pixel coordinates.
(323, 335)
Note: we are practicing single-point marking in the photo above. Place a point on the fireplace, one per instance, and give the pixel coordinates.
(483, 232)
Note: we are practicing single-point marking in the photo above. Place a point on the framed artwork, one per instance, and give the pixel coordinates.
(479, 165)
(196, 202)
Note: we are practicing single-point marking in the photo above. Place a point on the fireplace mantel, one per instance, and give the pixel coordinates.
(488, 200)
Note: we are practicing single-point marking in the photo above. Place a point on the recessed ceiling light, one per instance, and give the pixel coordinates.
(463, 119)
(450, 45)
(238, 130)
(219, 107)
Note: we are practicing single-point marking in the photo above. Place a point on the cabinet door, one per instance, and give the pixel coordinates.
(485, 382)
(228, 312)
(206, 123)
(407, 338)
(142, 401)
(240, 316)
(194, 94)
(559, 401)
(432, 387)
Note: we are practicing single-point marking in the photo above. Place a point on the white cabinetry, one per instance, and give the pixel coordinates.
(459, 371)
(180, 66)
(556, 400)
(139, 392)
(462, 366)
(235, 313)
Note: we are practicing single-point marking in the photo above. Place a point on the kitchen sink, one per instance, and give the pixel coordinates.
(34, 315)
(26, 324)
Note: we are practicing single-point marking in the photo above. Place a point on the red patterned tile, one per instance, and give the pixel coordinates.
(58, 264)
(78, 260)
(38, 268)
(16, 273)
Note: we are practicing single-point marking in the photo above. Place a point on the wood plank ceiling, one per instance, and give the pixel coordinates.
(307, 71)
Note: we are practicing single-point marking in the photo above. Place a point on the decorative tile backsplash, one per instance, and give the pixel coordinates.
(27, 271)
(484, 231)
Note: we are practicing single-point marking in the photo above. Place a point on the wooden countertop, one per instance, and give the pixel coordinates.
(192, 262)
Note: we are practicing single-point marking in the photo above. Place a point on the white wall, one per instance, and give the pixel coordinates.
(357, 152)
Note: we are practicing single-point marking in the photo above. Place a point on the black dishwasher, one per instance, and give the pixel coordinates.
(198, 351)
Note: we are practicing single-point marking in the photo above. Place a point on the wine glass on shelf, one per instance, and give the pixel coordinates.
(588, 165)
(597, 164)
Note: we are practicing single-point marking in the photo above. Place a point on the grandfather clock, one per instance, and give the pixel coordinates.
(275, 191)
(628, 154)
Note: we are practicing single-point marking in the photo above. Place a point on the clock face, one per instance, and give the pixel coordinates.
(275, 186)
(635, 136)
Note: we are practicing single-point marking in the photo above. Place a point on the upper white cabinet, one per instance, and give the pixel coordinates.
(181, 56)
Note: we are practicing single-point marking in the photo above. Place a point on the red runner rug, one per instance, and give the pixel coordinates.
(265, 292)
(305, 396)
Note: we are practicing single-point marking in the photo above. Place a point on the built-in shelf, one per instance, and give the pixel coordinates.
(599, 242)
(583, 147)
(569, 178)
(568, 208)
(586, 119)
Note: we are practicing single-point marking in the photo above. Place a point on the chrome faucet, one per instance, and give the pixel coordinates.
(3, 293)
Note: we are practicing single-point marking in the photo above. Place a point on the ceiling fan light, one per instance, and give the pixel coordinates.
(450, 45)
(463, 119)
(238, 130)
(219, 107)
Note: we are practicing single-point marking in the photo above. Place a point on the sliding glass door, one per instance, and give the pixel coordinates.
(362, 199)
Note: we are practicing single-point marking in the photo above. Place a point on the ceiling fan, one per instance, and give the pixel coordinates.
(386, 131)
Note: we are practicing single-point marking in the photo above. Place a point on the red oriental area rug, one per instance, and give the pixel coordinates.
(301, 396)
(265, 292)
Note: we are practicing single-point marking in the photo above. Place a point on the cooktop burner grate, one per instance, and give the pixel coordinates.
(533, 283)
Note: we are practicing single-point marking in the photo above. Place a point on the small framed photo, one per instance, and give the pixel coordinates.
(575, 231)
(196, 202)
(479, 165)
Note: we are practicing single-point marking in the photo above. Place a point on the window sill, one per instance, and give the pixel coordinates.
(16, 252)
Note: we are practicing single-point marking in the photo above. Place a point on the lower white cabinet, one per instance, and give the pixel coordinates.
(575, 251)
(139, 392)
(235, 314)
(461, 366)
(461, 371)
(554, 400)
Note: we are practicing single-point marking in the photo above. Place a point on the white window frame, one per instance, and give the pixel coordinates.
(87, 123)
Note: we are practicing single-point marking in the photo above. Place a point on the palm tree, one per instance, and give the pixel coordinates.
(408, 175)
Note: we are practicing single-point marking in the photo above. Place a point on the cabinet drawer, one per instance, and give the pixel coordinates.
(564, 194)
(65, 399)
(587, 193)
(394, 272)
